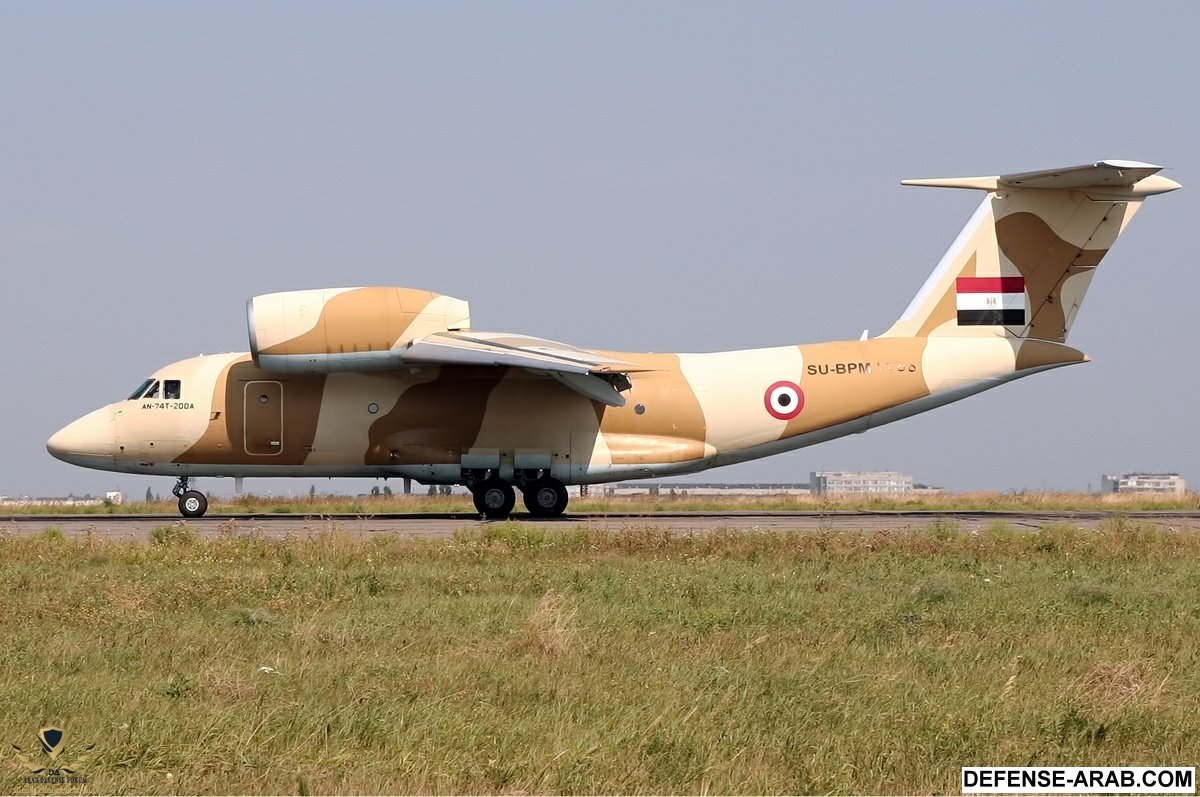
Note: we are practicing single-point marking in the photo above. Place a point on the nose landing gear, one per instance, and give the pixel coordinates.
(192, 503)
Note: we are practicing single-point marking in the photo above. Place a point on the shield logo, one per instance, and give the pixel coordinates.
(52, 741)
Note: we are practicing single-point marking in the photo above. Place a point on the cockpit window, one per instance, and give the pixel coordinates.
(140, 390)
(152, 392)
(171, 388)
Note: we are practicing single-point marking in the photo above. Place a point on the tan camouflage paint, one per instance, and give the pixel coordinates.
(1054, 239)
(351, 319)
(686, 413)
(224, 441)
(945, 311)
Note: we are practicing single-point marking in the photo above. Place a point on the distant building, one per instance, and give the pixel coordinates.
(703, 488)
(1165, 483)
(112, 497)
(860, 482)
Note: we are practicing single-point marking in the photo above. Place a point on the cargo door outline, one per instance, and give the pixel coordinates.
(262, 418)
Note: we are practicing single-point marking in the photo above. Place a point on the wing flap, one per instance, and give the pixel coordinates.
(595, 375)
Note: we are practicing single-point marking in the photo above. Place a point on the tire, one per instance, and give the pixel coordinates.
(494, 498)
(193, 504)
(546, 497)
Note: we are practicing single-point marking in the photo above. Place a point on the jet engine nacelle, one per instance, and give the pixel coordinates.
(346, 329)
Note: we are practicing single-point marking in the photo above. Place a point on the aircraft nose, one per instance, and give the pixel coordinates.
(90, 441)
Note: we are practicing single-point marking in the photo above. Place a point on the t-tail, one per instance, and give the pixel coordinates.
(1021, 266)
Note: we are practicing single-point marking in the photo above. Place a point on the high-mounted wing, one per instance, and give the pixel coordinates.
(595, 375)
(337, 330)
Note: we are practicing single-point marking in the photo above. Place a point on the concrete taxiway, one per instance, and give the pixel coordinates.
(138, 527)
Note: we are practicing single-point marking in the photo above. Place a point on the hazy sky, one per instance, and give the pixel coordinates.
(641, 176)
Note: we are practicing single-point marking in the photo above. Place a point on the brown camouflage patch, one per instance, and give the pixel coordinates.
(364, 319)
(224, 440)
(1032, 353)
(434, 422)
(671, 422)
(878, 374)
(1045, 261)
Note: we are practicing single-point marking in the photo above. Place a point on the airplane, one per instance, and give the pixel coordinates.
(393, 382)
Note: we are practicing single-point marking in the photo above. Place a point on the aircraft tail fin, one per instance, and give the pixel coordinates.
(1022, 264)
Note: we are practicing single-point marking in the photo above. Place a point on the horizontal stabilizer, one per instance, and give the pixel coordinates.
(1112, 177)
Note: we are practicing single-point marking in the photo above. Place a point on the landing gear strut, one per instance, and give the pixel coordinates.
(192, 503)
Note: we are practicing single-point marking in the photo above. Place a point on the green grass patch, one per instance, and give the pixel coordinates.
(517, 658)
(172, 534)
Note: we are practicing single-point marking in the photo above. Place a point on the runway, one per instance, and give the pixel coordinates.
(138, 527)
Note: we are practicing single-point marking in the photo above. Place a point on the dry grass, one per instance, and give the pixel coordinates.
(1111, 685)
(518, 659)
(550, 628)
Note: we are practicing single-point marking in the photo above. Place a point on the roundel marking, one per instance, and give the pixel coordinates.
(784, 400)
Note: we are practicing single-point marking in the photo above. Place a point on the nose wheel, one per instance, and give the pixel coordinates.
(192, 503)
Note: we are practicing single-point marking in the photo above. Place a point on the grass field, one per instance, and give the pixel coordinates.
(665, 502)
(516, 659)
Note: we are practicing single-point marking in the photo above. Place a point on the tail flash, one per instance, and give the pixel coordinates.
(1021, 266)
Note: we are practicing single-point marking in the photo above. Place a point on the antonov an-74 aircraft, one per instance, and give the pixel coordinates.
(393, 382)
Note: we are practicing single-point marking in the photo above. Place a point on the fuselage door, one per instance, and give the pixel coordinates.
(263, 418)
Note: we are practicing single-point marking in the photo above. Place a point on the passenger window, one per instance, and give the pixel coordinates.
(171, 388)
(152, 392)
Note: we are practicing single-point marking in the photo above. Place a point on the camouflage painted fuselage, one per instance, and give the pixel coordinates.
(432, 423)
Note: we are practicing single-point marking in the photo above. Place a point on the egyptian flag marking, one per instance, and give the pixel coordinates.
(990, 301)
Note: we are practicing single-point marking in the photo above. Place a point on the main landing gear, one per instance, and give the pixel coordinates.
(544, 496)
(494, 498)
(192, 503)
